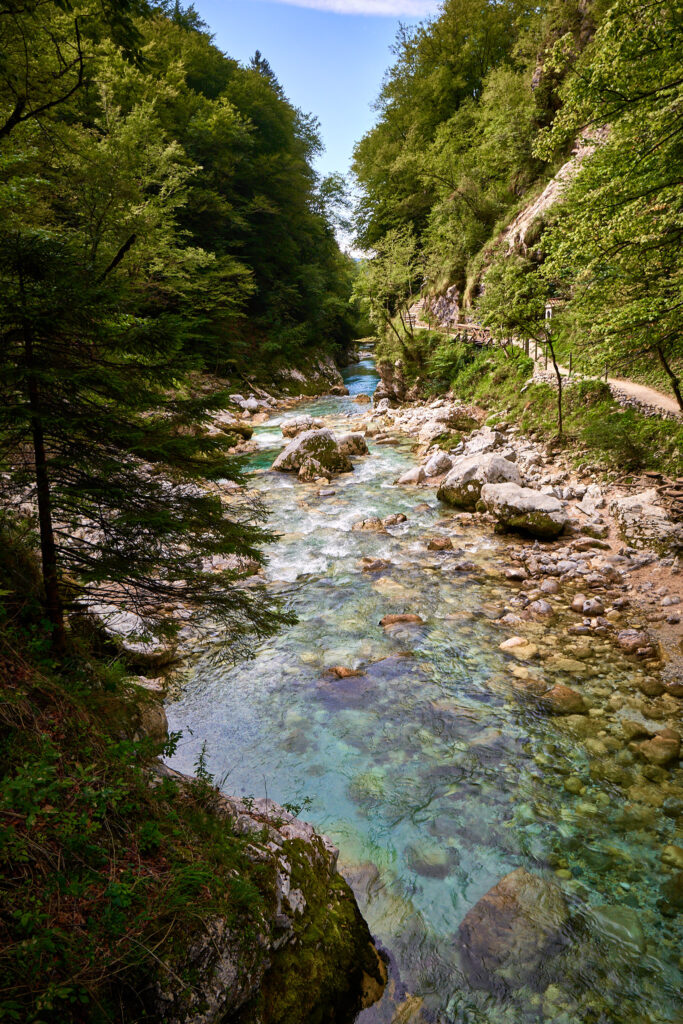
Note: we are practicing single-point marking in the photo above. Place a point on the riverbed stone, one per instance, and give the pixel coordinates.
(352, 444)
(663, 749)
(671, 902)
(631, 640)
(506, 939)
(519, 647)
(673, 856)
(290, 428)
(644, 523)
(439, 463)
(373, 525)
(406, 618)
(440, 544)
(431, 860)
(620, 925)
(412, 477)
(463, 484)
(562, 700)
(526, 510)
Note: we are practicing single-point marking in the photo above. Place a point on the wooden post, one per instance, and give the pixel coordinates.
(570, 363)
(546, 358)
(605, 373)
(526, 346)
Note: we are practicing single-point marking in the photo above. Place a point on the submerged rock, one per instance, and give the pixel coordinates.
(394, 620)
(663, 749)
(507, 937)
(463, 485)
(620, 925)
(562, 700)
(431, 860)
(521, 508)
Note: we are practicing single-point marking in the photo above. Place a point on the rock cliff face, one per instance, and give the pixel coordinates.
(308, 956)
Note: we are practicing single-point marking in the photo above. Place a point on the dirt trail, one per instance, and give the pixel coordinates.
(642, 393)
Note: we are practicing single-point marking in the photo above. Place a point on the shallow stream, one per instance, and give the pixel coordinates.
(427, 771)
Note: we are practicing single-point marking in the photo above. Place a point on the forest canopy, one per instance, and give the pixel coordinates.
(482, 106)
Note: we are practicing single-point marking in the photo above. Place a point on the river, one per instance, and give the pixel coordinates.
(426, 769)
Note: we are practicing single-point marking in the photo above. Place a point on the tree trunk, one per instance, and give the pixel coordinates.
(559, 387)
(48, 550)
(675, 382)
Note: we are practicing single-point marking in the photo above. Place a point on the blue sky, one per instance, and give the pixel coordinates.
(329, 55)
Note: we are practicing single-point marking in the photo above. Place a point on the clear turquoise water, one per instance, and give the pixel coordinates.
(429, 757)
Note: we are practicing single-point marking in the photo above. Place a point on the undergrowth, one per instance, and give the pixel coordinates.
(596, 427)
(100, 872)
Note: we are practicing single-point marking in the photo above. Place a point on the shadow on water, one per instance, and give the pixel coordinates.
(435, 772)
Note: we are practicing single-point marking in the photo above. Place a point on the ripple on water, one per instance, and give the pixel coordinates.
(435, 774)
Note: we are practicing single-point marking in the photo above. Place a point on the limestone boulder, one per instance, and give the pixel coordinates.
(507, 937)
(131, 634)
(463, 484)
(319, 448)
(562, 700)
(412, 477)
(352, 444)
(522, 508)
(290, 428)
(438, 464)
(643, 523)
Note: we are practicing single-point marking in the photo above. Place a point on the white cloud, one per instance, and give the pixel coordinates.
(381, 8)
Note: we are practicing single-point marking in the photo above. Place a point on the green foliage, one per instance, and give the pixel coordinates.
(97, 868)
(480, 107)
(618, 238)
(385, 285)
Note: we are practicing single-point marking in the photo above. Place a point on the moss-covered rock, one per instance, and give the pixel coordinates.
(296, 950)
(524, 509)
(313, 446)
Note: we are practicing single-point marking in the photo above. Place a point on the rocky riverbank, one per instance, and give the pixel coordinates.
(596, 564)
(490, 665)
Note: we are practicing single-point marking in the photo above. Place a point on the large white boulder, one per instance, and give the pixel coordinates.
(643, 523)
(462, 487)
(521, 508)
(290, 428)
(412, 477)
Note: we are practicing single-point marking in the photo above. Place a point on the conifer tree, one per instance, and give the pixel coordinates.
(98, 430)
